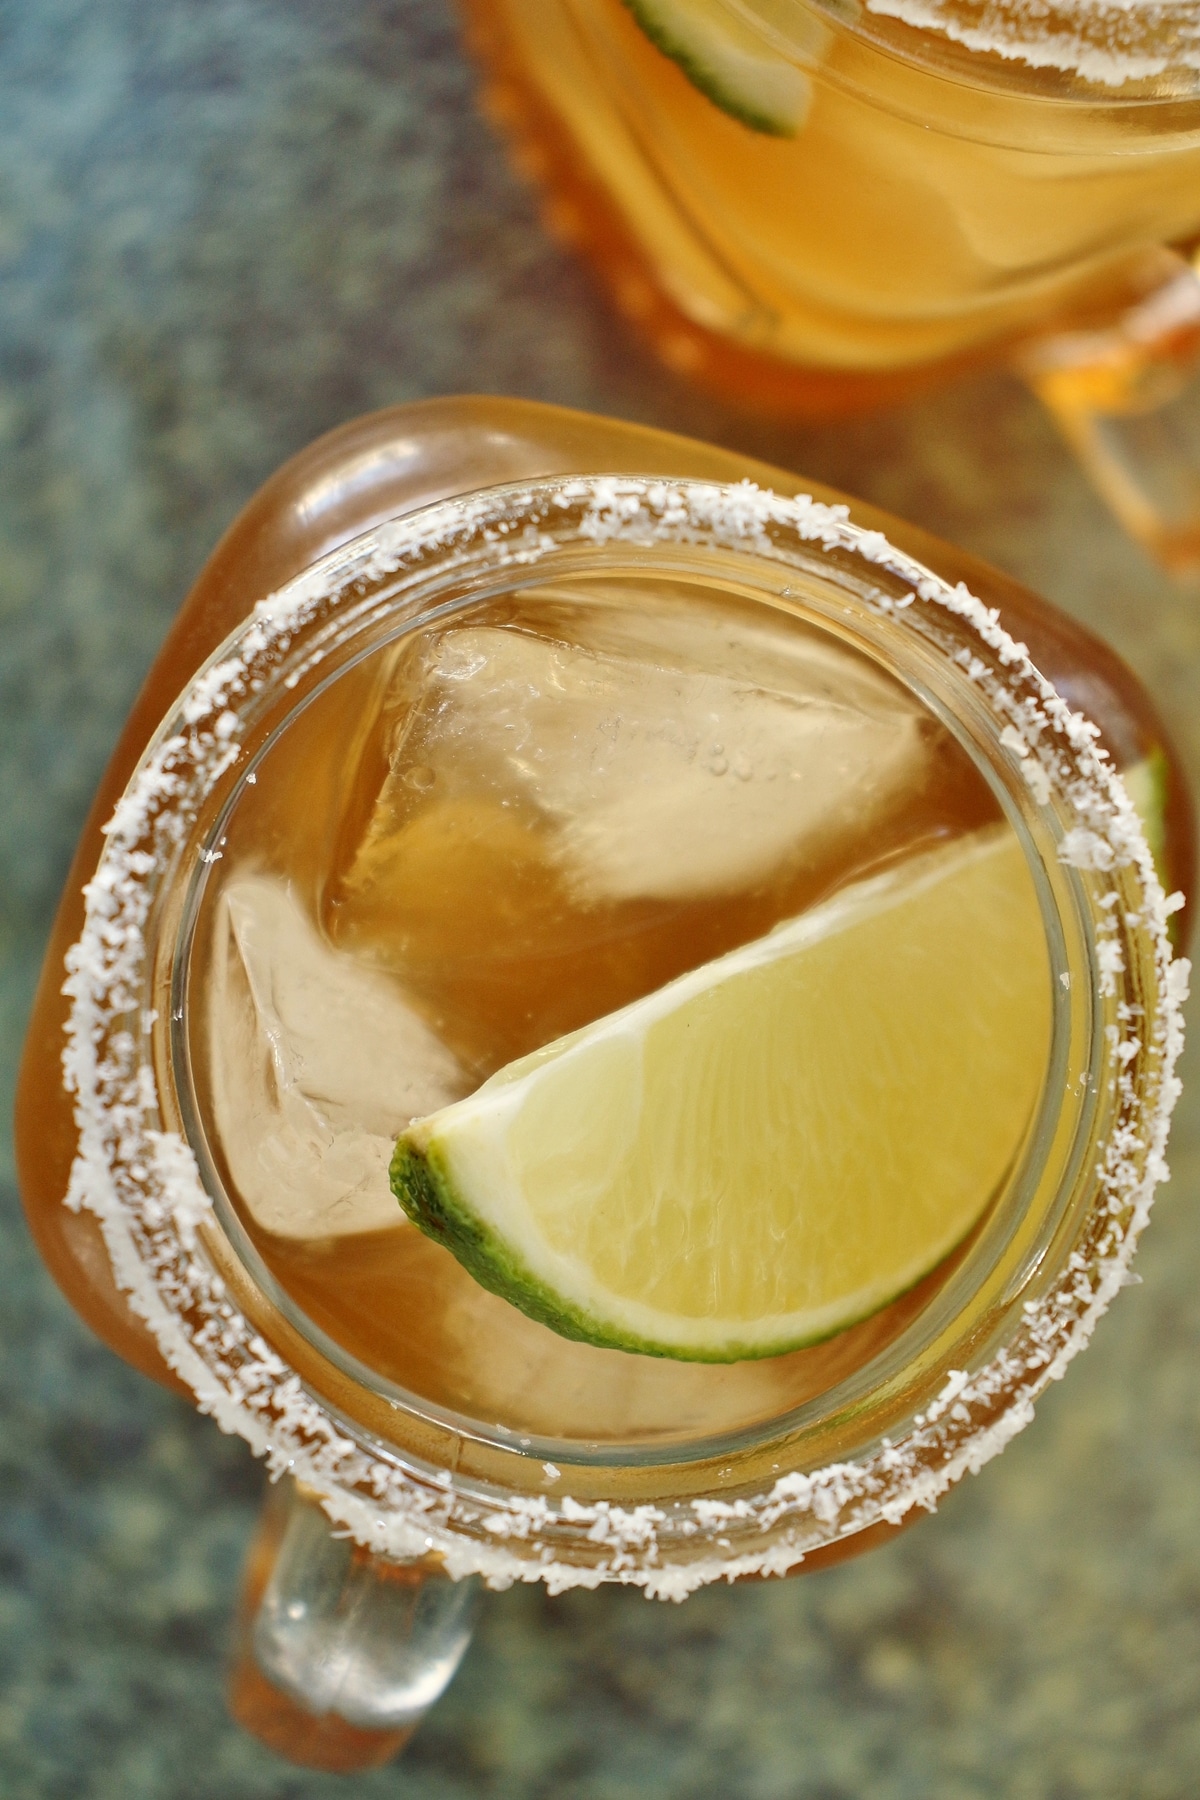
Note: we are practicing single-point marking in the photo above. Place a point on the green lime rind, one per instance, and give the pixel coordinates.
(704, 78)
(426, 1194)
(422, 1186)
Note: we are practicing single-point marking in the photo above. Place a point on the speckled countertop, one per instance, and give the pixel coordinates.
(224, 227)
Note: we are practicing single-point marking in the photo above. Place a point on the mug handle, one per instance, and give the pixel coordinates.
(339, 1653)
(1126, 396)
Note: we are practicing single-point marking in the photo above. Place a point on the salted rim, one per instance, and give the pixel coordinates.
(143, 1185)
(1109, 42)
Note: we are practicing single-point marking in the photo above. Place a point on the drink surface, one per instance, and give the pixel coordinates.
(870, 217)
(489, 836)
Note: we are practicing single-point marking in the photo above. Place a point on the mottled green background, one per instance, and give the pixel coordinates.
(225, 225)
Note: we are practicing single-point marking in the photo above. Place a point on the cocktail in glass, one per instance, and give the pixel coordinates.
(433, 771)
(814, 207)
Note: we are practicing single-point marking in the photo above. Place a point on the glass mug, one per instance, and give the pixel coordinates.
(815, 205)
(424, 1433)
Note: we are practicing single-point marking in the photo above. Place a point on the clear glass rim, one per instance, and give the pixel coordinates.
(523, 528)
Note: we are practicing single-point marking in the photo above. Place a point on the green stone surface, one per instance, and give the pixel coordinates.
(224, 228)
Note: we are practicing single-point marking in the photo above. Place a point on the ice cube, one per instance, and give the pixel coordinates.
(644, 773)
(316, 1066)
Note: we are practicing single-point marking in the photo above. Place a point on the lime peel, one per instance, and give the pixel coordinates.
(727, 62)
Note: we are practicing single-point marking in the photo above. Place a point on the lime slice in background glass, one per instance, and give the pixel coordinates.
(729, 61)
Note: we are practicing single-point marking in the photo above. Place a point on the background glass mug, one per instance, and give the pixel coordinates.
(440, 1431)
(814, 205)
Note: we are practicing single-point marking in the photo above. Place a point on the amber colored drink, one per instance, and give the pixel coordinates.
(563, 965)
(505, 828)
(385, 821)
(888, 202)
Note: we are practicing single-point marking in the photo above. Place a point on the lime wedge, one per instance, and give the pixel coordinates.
(772, 1146)
(729, 61)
